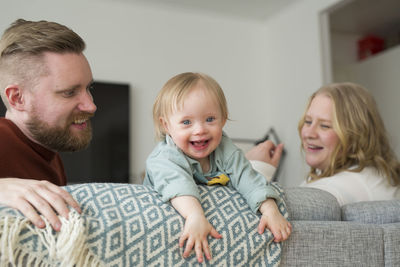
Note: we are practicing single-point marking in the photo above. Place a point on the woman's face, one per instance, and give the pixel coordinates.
(318, 137)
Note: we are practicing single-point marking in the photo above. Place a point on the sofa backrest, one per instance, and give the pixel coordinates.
(311, 204)
(372, 212)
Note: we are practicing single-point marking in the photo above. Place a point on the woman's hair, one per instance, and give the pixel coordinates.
(363, 140)
(22, 46)
(174, 92)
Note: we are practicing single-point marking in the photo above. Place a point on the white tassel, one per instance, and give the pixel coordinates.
(66, 248)
(71, 240)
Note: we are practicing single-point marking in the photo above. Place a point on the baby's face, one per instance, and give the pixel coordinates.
(196, 128)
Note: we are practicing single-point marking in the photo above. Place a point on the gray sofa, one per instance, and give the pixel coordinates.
(128, 225)
(325, 234)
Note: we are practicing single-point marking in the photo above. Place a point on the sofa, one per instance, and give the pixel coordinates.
(325, 234)
(128, 225)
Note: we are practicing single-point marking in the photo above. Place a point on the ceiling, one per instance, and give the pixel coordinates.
(366, 17)
(348, 16)
(247, 9)
(351, 16)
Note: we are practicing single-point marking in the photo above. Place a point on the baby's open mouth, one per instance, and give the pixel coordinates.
(199, 143)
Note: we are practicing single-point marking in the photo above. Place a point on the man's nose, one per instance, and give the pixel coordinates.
(87, 104)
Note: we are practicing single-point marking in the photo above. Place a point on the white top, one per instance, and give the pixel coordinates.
(267, 170)
(350, 187)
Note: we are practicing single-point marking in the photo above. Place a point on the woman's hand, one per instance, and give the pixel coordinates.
(266, 152)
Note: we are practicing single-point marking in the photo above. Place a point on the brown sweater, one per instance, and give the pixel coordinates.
(22, 158)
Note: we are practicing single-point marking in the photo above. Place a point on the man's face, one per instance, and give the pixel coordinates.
(60, 104)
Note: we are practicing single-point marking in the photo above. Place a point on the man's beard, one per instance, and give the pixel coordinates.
(60, 138)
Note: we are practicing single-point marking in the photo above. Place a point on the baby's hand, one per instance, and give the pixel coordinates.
(273, 220)
(196, 230)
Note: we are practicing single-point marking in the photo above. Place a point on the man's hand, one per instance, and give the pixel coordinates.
(32, 197)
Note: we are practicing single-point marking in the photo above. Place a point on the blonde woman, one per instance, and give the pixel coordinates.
(189, 114)
(346, 145)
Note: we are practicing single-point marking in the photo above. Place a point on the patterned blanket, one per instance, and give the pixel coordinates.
(128, 225)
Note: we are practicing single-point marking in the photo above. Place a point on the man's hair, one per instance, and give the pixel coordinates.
(22, 47)
(363, 140)
(174, 92)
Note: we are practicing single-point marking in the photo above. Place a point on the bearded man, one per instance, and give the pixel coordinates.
(45, 83)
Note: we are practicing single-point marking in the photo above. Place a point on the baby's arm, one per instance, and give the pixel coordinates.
(273, 220)
(196, 229)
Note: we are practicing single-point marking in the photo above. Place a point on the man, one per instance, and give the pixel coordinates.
(45, 83)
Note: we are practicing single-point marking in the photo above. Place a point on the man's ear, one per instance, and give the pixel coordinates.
(14, 96)
(164, 124)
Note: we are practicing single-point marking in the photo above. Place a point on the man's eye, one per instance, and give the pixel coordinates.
(186, 122)
(69, 93)
(90, 88)
(210, 119)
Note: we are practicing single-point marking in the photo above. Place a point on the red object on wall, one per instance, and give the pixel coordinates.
(370, 45)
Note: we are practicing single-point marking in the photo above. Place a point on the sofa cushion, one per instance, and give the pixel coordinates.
(331, 244)
(311, 204)
(376, 212)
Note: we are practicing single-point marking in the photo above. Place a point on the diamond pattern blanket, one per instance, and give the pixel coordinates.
(129, 225)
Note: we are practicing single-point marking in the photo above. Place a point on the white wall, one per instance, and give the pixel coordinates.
(380, 75)
(145, 45)
(267, 69)
(344, 53)
(293, 71)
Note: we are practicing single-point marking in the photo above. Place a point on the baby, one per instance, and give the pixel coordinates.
(189, 114)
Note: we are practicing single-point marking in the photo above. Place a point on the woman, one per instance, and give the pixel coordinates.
(345, 144)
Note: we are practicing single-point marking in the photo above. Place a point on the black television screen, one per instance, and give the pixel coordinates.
(107, 157)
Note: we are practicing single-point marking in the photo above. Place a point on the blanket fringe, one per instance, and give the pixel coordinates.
(66, 248)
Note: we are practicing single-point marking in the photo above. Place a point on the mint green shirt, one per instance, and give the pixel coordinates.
(174, 174)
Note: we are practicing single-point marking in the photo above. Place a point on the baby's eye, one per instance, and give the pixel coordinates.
(307, 122)
(210, 119)
(186, 122)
